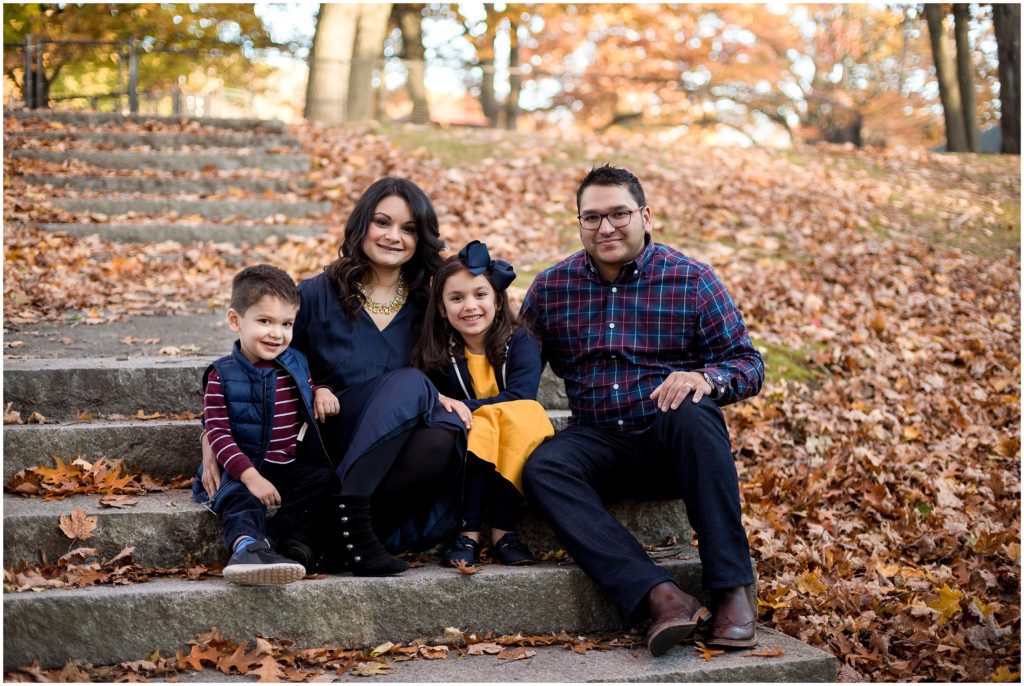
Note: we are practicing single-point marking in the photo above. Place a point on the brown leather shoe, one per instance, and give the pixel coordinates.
(735, 617)
(675, 616)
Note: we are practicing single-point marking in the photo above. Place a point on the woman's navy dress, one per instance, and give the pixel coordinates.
(380, 394)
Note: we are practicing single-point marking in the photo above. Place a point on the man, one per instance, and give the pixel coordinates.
(650, 345)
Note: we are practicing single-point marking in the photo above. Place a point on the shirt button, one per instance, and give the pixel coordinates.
(613, 357)
(615, 386)
(615, 290)
(612, 325)
(636, 271)
(620, 422)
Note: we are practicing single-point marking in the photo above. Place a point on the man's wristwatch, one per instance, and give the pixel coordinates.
(714, 388)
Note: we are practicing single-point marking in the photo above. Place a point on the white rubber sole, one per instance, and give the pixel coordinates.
(264, 575)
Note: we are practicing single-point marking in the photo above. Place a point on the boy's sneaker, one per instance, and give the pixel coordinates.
(258, 564)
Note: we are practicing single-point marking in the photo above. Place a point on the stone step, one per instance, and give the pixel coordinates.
(164, 448)
(93, 118)
(169, 526)
(61, 388)
(160, 139)
(169, 185)
(208, 209)
(799, 663)
(180, 161)
(113, 624)
(188, 233)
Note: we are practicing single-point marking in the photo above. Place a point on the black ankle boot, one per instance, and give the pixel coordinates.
(356, 542)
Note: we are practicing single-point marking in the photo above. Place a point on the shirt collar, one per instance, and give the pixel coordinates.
(630, 270)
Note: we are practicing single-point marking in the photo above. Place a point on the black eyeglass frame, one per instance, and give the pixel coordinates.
(608, 215)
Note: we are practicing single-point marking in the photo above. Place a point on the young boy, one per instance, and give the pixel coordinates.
(260, 425)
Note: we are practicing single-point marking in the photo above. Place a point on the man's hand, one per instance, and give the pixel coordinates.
(211, 469)
(458, 407)
(264, 491)
(673, 390)
(325, 404)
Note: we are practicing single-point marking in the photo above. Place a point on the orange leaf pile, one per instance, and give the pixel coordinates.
(79, 476)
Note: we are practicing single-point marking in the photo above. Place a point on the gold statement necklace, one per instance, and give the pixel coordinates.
(401, 295)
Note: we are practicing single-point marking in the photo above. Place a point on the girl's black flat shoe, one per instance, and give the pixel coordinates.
(464, 548)
(511, 551)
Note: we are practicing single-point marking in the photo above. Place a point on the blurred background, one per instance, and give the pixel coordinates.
(771, 74)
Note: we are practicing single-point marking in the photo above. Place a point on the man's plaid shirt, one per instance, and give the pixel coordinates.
(614, 343)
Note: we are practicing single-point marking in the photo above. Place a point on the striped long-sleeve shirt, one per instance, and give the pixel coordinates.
(284, 433)
(615, 342)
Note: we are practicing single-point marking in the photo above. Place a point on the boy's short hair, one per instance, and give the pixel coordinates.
(252, 283)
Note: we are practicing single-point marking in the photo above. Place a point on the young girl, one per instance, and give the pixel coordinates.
(487, 370)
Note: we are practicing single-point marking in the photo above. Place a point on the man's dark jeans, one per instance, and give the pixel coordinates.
(684, 453)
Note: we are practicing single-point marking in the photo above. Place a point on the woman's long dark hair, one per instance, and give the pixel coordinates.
(352, 265)
(440, 339)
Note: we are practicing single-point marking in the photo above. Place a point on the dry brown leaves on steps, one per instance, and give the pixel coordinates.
(85, 567)
(273, 659)
(80, 477)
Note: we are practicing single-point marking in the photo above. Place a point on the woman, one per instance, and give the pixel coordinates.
(396, 451)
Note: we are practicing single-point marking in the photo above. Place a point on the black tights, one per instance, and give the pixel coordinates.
(484, 483)
(404, 474)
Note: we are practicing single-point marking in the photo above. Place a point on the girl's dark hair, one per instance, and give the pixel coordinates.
(352, 265)
(440, 340)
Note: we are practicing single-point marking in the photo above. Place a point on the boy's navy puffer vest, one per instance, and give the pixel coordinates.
(249, 394)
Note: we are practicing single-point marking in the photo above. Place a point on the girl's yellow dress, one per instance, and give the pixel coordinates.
(505, 433)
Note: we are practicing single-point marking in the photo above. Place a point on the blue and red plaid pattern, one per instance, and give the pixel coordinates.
(614, 343)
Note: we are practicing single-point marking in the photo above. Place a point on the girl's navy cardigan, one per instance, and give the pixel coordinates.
(518, 378)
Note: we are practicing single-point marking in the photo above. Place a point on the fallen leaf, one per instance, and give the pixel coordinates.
(766, 651)
(382, 649)
(36, 418)
(947, 602)
(466, 568)
(705, 652)
(434, 652)
(118, 501)
(369, 668)
(141, 414)
(10, 416)
(78, 525)
(484, 649)
(84, 416)
(513, 654)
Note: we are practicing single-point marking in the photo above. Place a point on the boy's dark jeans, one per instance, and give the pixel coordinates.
(684, 453)
(302, 487)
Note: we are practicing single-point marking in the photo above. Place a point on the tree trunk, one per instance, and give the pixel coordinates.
(515, 79)
(1007, 26)
(410, 22)
(949, 89)
(485, 58)
(330, 63)
(965, 73)
(367, 55)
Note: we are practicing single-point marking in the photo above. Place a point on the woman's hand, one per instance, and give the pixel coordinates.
(325, 404)
(211, 469)
(459, 408)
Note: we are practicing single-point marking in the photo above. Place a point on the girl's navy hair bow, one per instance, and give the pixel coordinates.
(478, 260)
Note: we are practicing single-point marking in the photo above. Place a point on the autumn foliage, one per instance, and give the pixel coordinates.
(879, 467)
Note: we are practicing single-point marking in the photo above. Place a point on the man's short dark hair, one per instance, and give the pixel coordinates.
(607, 175)
(252, 283)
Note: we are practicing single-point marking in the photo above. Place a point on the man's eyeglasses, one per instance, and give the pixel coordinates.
(617, 218)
